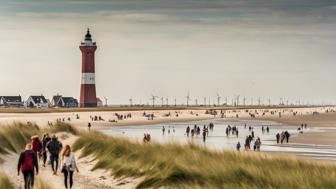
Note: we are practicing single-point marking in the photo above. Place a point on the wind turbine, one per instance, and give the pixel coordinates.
(259, 101)
(238, 96)
(188, 98)
(162, 101)
(153, 98)
(131, 101)
(218, 99)
(105, 100)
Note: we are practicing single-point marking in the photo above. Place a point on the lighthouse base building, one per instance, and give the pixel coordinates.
(88, 96)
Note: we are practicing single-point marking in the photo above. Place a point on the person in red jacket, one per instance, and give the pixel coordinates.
(28, 164)
(36, 145)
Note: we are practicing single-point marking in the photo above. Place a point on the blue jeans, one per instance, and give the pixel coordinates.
(53, 159)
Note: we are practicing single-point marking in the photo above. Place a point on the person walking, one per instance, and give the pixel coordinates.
(287, 135)
(89, 126)
(188, 131)
(278, 138)
(45, 140)
(238, 146)
(204, 135)
(54, 147)
(69, 166)
(37, 146)
(28, 164)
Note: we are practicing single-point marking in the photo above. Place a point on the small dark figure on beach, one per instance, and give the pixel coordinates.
(204, 135)
(163, 130)
(267, 129)
(283, 136)
(238, 146)
(257, 144)
(247, 143)
(146, 138)
(188, 131)
(89, 126)
(277, 138)
(287, 135)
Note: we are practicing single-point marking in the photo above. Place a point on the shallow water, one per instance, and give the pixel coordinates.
(217, 138)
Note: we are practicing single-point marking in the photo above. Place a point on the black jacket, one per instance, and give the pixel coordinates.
(54, 146)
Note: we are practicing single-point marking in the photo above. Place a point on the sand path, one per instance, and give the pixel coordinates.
(85, 179)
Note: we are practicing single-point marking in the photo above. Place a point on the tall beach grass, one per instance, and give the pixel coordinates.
(5, 183)
(191, 166)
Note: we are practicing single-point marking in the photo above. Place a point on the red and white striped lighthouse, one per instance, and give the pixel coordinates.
(88, 86)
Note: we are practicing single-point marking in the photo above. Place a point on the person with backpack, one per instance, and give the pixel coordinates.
(28, 164)
(45, 140)
(54, 147)
(68, 166)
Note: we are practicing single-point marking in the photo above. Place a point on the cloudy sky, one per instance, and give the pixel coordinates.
(252, 48)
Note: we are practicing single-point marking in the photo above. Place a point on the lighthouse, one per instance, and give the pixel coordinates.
(88, 86)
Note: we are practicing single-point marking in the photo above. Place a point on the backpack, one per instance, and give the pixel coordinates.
(28, 162)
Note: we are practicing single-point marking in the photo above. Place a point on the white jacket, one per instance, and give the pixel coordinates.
(70, 162)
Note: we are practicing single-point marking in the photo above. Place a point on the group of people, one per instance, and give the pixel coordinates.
(122, 117)
(168, 130)
(96, 118)
(283, 136)
(197, 131)
(37, 151)
(146, 138)
(149, 116)
(233, 130)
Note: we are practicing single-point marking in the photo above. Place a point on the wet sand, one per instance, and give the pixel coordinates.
(325, 123)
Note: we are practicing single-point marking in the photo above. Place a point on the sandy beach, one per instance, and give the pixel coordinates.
(324, 121)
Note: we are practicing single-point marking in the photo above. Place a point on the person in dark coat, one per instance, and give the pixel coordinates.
(54, 147)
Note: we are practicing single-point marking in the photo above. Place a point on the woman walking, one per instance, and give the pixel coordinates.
(68, 166)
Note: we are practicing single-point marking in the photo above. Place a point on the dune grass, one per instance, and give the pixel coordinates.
(63, 127)
(5, 183)
(191, 166)
(14, 137)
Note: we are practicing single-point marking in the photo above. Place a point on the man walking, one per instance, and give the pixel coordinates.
(54, 147)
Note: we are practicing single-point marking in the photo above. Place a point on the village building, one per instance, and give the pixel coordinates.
(11, 101)
(99, 102)
(64, 102)
(37, 102)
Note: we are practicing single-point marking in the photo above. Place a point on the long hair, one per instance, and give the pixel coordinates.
(66, 151)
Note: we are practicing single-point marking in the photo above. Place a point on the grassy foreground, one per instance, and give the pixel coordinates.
(5, 182)
(190, 166)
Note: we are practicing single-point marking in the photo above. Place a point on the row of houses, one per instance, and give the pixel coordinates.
(40, 102)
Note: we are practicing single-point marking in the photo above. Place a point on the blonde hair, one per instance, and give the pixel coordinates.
(66, 151)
